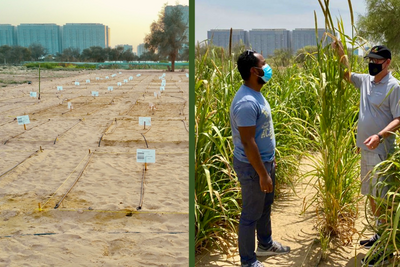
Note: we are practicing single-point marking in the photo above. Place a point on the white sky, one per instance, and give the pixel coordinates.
(255, 14)
(129, 20)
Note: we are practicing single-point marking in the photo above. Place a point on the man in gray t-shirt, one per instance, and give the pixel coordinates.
(378, 119)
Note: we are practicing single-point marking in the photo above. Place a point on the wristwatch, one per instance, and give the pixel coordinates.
(380, 138)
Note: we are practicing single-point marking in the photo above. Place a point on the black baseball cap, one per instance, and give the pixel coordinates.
(379, 52)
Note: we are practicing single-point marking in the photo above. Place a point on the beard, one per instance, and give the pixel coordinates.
(260, 81)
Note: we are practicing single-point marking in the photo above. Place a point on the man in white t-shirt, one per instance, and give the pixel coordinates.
(378, 119)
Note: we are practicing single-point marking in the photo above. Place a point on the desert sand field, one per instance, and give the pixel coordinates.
(72, 192)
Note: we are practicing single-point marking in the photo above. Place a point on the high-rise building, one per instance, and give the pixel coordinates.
(302, 37)
(266, 41)
(85, 35)
(47, 35)
(221, 37)
(141, 50)
(8, 35)
(126, 47)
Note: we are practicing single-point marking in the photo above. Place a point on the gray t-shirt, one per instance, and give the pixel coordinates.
(379, 105)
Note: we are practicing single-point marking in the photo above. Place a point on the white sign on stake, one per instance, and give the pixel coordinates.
(187, 75)
(87, 81)
(32, 94)
(69, 105)
(125, 80)
(76, 83)
(162, 88)
(120, 72)
(59, 88)
(113, 75)
(138, 75)
(130, 78)
(107, 77)
(119, 83)
(97, 78)
(94, 93)
(146, 120)
(23, 120)
(146, 155)
(110, 88)
(155, 94)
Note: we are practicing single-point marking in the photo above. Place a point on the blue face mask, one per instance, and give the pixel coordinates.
(267, 73)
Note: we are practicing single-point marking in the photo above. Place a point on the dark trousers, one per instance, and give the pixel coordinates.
(256, 210)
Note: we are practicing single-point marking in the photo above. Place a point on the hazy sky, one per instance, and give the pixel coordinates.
(129, 20)
(255, 14)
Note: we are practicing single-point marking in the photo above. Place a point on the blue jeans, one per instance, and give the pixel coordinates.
(256, 210)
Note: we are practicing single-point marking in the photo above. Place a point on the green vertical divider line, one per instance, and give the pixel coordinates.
(191, 132)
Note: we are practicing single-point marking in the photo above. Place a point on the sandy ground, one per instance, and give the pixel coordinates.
(293, 228)
(89, 152)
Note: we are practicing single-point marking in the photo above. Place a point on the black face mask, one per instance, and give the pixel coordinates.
(375, 68)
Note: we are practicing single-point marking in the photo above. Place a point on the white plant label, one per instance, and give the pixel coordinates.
(107, 77)
(125, 80)
(146, 155)
(119, 83)
(146, 120)
(155, 94)
(87, 81)
(138, 75)
(76, 83)
(130, 78)
(94, 93)
(69, 105)
(110, 88)
(32, 94)
(162, 88)
(97, 78)
(23, 120)
(59, 88)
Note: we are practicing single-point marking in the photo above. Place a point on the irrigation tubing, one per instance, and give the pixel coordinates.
(76, 180)
(145, 140)
(184, 123)
(25, 131)
(141, 190)
(4, 173)
(55, 140)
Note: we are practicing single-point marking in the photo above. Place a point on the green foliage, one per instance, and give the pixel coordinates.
(378, 24)
(388, 172)
(167, 35)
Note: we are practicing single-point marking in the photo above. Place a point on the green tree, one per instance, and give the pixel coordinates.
(37, 51)
(69, 54)
(5, 54)
(379, 23)
(281, 57)
(167, 35)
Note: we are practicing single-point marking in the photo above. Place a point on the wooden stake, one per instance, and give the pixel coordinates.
(145, 166)
(40, 209)
(24, 126)
(144, 123)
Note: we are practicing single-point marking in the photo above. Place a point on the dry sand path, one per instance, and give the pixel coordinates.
(97, 224)
(297, 230)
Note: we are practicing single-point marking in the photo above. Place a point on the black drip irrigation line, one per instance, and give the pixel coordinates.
(38, 234)
(55, 140)
(145, 140)
(141, 190)
(105, 131)
(184, 123)
(113, 233)
(76, 180)
(25, 131)
(19, 163)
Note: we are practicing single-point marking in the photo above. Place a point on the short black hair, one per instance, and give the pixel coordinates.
(245, 62)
